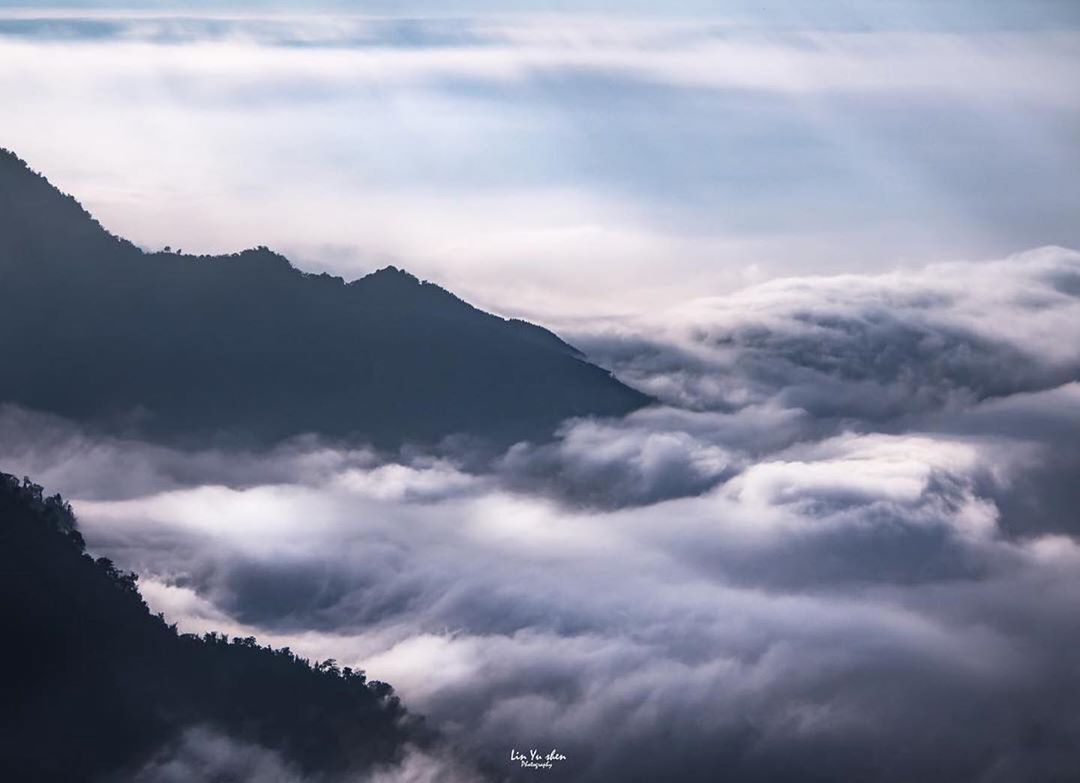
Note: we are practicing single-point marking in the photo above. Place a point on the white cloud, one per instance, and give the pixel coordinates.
(557, 165)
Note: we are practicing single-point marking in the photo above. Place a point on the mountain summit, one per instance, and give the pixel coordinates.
(247, 347)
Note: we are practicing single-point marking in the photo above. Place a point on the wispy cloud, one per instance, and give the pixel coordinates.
(530, 160)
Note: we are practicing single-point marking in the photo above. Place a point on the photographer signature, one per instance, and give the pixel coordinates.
(534, 759)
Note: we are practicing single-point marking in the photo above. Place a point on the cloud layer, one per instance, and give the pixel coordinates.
(842, 547)
(555, 164)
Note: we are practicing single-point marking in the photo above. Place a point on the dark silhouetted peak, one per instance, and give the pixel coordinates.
(39, 224)
(260, 260)
(263, 254)
(94, 684)
(391, 289)
(388, 280)
(391, 274)
(248, 347)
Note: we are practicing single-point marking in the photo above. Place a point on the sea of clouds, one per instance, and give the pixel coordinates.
(842, 545)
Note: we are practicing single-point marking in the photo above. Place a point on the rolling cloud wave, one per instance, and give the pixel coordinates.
(843, 545)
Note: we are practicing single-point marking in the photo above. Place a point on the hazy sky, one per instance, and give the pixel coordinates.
(560, 164)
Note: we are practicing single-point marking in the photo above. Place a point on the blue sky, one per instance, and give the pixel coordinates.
(562, 160)
(840, 13)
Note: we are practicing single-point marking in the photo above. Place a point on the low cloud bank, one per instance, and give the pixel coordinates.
(842, 547)
(202, 754)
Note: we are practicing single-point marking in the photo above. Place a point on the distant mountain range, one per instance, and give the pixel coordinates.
(247, 348)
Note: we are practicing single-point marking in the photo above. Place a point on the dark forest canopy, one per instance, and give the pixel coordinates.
(248, 348)
(93, 683)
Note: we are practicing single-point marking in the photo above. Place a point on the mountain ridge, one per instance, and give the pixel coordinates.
(267, 350)
(78, 634)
